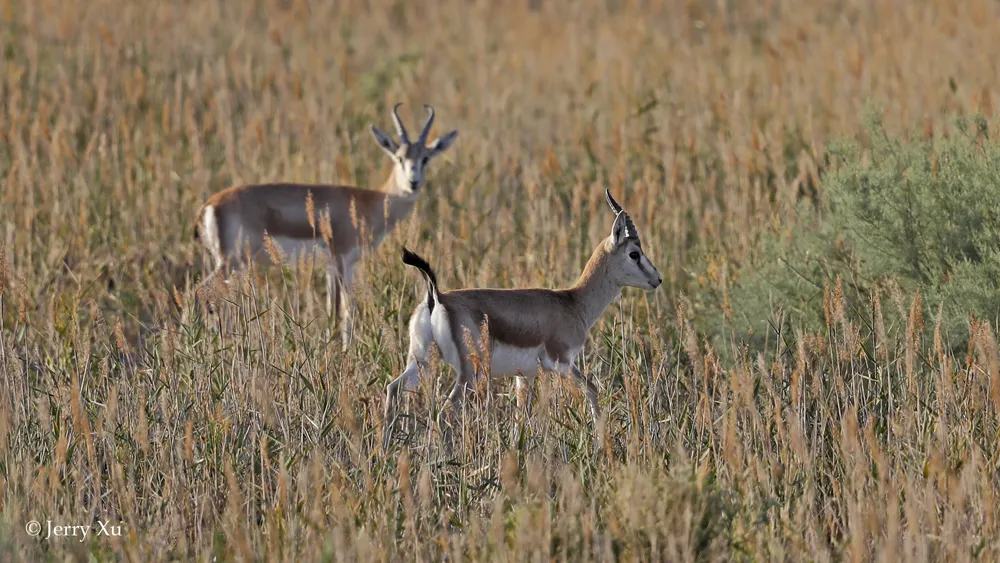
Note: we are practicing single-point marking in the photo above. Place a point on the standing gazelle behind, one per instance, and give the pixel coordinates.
(529, 329)
(338, 221)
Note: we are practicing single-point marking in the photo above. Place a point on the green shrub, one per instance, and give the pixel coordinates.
(922, 215)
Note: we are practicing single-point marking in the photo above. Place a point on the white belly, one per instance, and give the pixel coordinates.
(292, 248)
(507, 361)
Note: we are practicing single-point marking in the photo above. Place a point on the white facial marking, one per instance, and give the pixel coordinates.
(410, 163)
(635, 269)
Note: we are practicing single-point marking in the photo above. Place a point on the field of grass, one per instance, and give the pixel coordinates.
(872, 435)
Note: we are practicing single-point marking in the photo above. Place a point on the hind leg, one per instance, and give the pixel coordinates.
(222, 249)
(407, 381)
(202, 288)
(421, 339)
(214, 251)
(223, 268)
(334, 295)
(332, 291)
(212, 241)
(464, 381)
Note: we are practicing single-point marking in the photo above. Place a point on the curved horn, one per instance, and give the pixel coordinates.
(427, 125)
(400, 129)
(611, 201)
(630, 232)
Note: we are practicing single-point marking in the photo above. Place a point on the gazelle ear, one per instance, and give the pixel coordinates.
(619, 231)
(442, 143)
(623, 228)
(385, 141)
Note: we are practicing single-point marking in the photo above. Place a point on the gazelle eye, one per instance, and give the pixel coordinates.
(634, 255)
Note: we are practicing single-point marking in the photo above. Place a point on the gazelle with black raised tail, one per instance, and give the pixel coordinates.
(529, 330)
(335, 220)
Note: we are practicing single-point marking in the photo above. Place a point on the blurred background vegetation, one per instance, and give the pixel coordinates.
(816, 379)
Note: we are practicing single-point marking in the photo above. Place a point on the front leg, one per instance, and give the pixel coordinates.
(591, 390)
(332, 291)
(523, 389)
(345, 303)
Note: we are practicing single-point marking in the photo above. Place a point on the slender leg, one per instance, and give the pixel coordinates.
(212, 243)
(202, 288)
(206, 282)
(332, 291)
(524, 389)
(226, 259)
(595, 409)
(408, 381)
(421, 339)
(346, 305)
(463, 384)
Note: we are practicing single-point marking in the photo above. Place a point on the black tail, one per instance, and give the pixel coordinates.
(411, 259)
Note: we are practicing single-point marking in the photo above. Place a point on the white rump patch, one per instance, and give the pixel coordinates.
(441, 329)
(210, 234)
(421, 334)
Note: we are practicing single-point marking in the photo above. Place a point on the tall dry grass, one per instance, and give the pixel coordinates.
(254, 437)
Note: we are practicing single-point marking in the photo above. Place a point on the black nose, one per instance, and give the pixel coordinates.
(414, 185)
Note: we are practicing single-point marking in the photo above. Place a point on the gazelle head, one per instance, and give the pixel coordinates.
(629, 264)
(410, 158)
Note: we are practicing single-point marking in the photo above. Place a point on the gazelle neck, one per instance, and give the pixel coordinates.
(397, 204)
(391, 186)
(595, 289)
